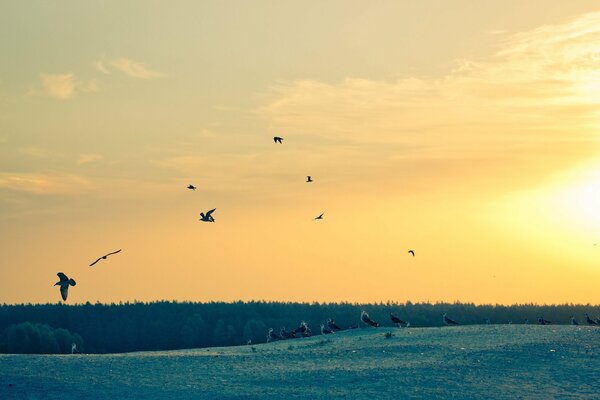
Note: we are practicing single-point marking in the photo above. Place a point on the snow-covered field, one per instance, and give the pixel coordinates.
(470, 362)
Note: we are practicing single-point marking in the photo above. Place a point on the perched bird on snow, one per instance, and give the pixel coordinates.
(589, 320)
(364, 317)
(397, 321)
(277, 139)
(448, 321)
(412, 252)
(191, 187)
(285, 334)
(64, 284)
(320, 216)
(271, 335)
(573, 321)
(325, 331)
(309, 179)
(332, 325)
(105, 256)
(74, 349)
(303, 330)
(543, 321)
(207, 217)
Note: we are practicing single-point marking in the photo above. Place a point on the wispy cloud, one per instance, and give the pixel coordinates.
(60, 86)
(101, 66)
(134, 69)
(542, 88)
(44, 183)
(88, 158)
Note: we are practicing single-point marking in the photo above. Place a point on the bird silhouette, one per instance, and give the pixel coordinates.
(448, 321)
(309, 179)
(277, 139)
(191, 187)
(364, 317)
(332, 325)
(64, 284)
(320, 216)
(397, 321)
(303, 329)
(543, 321)
(589, 320)
(325, 331)
(207, 217)
(412, 252)
(573, 321)
(104, 257)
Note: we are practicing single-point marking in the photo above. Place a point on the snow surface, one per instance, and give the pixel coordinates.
(464, 362)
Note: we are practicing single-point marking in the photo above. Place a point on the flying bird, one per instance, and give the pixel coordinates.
(207, 217)
(309, 179)
(332, 325)
(104, 257)
(325, 331)
(320, 216)
(412, 252)
(573, 321)
(64, 283)
(589, 320)
(191, 187)
(364, 317)
(448, 321)
(397, 321)
(277, 139)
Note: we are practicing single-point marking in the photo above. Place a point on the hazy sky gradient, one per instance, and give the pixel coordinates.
(464, 130)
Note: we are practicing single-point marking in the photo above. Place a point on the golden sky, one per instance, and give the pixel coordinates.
(464, 130)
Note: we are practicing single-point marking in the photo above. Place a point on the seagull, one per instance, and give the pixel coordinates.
(207, 217)
(448, 321)
(308, 179)
(271, 335)
(325, 331)
(543, 321)
(74, 349)
(589, 320)
(332, 325)
(573, 322)
(320, 216)
(285, 334)
(397, 321)
(412, 252)
(191, 187)
(303, 329)
(364, 317)
(104, 257)
(277, 139)
(64, 285)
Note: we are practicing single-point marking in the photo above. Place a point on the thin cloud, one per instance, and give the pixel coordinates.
(100, 66)
(60, 86)
(88, 158)
(519, 96)
(43, 183)
(134, 69)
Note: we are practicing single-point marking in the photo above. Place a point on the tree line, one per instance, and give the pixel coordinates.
(164, 325)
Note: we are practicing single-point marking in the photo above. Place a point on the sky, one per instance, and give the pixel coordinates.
(464, 130)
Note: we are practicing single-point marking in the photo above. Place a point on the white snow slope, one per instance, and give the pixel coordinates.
(465, 362)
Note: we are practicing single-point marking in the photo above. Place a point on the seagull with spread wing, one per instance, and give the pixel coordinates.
(104, 257)
(308, 179)
(64, 284)
(320, 216)
(191, 187)
(208, 216)
(278, 139)
(412, 252)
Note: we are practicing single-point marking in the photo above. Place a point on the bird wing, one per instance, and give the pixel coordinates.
(64, 291)
(92, 264)
(411, 252)
(114, 252)
(210, 212)
(62, 277)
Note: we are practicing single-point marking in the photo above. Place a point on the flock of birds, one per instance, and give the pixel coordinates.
(330, 326)
(64, 281)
